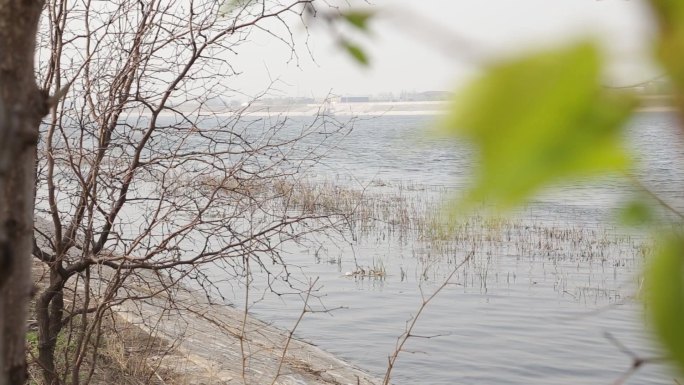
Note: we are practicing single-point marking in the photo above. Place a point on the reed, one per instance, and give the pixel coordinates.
(415, 215)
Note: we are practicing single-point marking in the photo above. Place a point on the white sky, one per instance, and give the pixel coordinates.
(437, 44)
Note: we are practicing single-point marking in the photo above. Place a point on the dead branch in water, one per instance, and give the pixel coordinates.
(407, 334)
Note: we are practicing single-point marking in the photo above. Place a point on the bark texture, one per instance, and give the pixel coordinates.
(22, 106)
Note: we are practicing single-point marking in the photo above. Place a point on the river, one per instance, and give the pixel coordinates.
(548, 297)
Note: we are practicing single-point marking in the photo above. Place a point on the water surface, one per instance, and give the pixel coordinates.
(528, 308)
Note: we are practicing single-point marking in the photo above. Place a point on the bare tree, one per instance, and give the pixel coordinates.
(142, 183)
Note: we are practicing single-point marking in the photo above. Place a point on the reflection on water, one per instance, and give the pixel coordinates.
(534, 304)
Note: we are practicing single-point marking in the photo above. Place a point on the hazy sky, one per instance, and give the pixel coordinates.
(438, 44)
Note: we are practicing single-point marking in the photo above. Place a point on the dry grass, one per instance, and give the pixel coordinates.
(418, 215)
(125, 354)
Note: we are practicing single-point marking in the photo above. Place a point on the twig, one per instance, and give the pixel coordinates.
(243, 331)
(290, 334)
(637, 361)
(401, 340)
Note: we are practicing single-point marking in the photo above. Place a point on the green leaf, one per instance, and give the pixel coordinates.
(537, 120)
(356, 52)
(669, 12)
(636, 213)
(230, 5)
(358, 19)
(665, 296)
(670, 43)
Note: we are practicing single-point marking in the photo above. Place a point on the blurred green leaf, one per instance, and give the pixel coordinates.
(670, 42)
(356, 52)
(636, 213)
(230, 5)
(358, 19)
(665, 296)
(540, 119)
(669, 12)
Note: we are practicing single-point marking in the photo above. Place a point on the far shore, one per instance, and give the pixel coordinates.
(411, 108)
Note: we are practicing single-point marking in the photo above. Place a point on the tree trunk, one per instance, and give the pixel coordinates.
(49, 311)
(22, 106)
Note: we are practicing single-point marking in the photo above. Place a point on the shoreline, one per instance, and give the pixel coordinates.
(209, 344)
(210, 337)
